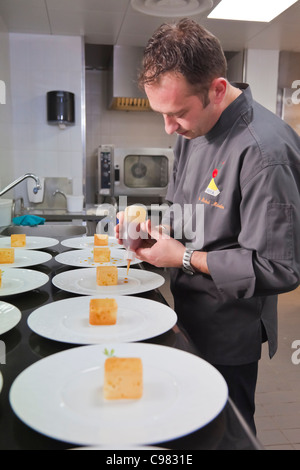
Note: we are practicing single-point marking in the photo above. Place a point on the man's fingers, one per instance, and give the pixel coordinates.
(156, 232)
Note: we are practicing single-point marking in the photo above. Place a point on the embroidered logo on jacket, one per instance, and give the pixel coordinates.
(212, 188)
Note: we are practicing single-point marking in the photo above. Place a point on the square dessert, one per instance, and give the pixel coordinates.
(101, 254)
(123, 378)
(100, 240)
(107, 275)
(103, 312)
(7, 255)
(18, 240)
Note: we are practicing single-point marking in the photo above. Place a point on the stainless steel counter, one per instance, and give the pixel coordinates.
(23, 348)
(89, 212)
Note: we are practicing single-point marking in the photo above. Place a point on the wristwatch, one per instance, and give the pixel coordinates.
(186, 262)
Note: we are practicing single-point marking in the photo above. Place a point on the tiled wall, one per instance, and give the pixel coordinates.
(41, 63)
(121, 128)
(262, 75)
(6, 162)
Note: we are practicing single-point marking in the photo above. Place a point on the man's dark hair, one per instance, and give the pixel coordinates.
(186, 48)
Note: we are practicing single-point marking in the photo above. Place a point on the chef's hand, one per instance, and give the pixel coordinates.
(165, 252)
(144, 237)
(159, 248)
(120, 218)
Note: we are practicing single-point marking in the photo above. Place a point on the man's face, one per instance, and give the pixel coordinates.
(182, 109)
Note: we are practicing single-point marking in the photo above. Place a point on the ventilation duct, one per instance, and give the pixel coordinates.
(124, 93)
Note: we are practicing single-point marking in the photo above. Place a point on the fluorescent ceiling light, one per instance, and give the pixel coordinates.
(250, 10)
(172, 8)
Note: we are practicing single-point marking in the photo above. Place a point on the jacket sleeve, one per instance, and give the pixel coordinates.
(267, 261)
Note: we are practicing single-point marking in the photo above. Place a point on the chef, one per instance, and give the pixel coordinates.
(236, 181)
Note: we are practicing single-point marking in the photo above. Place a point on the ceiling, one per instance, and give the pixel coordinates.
(110, 22)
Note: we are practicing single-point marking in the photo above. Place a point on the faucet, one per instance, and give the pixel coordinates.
(58, 191)
(17, 181)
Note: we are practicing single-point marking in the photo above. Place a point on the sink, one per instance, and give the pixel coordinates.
(47, 230)
(42, 212)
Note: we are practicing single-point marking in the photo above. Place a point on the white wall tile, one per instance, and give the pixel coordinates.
(6, 161)
(262, 76)
(42, 63)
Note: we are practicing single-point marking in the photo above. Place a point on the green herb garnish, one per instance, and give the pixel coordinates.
(109, 353)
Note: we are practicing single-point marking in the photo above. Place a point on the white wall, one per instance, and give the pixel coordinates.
(262, 75)
(6, 161)
(121, 128)
(41, 63)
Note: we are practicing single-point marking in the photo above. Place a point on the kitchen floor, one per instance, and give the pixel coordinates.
(278, 388)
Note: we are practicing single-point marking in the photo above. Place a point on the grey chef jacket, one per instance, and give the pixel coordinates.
(245, 173)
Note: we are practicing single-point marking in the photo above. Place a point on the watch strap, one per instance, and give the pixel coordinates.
(186, 262)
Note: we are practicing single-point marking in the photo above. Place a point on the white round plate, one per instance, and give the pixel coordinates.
(83, 281)
(88, 242)
(9, 317)
(32, 243)
(17, 281)
(120, 447)
(24, 258)
(68, 321)
(84, 258)
(61, 396)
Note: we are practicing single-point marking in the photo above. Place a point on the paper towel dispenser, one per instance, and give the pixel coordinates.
(60, 108)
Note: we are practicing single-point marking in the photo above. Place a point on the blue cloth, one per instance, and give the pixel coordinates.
(30, 220)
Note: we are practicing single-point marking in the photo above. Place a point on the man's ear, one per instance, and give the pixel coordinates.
(219, 87)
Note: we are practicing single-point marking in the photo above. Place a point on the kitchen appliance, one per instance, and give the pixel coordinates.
(141, 174)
